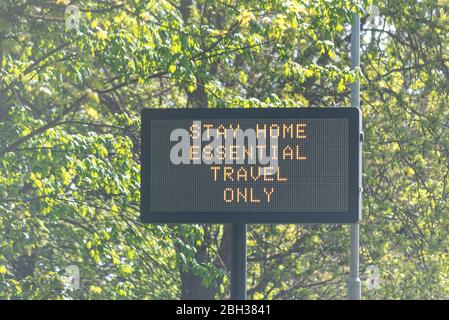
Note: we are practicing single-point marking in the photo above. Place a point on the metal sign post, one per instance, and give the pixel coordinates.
(238, 262)
(354, 287)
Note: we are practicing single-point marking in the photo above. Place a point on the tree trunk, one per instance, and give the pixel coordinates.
(23, 266)
(192, 286)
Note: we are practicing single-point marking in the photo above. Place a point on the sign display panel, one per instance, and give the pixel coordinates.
(298, 165)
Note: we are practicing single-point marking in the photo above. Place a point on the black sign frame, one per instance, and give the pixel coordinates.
(354, 166)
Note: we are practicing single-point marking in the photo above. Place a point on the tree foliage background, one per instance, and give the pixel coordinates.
(70, 100)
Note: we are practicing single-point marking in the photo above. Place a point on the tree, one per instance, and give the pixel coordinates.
(69, 146)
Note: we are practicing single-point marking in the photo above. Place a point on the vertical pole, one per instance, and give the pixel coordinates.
(354, 286)
(355, 59)
(238, 262)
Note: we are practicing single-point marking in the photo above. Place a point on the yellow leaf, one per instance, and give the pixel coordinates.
(95, 289)
(294, 23)
(341, 86)
(3, 270)
(94, 24)
(409, 171)
(243, 77)
(191, 87)
(245, 17)
(125, 269)
(101, 35)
